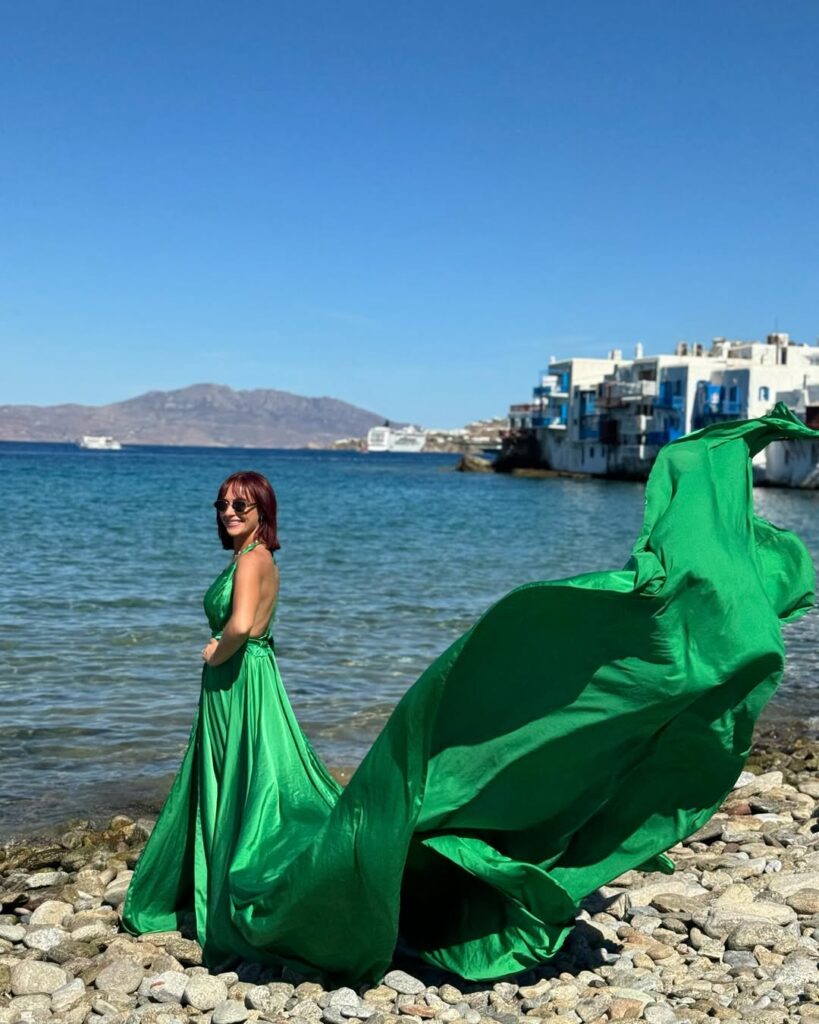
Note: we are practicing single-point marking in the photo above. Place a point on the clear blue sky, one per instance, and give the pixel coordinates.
(407, 205)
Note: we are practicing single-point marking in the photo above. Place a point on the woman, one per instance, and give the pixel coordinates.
(579, 729)
(248, 768)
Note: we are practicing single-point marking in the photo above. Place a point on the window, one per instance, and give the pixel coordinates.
(732, 393)
(764, 393)
(591, 453)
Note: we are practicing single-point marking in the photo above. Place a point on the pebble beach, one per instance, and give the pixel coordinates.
(732, 935)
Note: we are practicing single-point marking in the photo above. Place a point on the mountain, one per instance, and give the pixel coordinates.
(203, 414)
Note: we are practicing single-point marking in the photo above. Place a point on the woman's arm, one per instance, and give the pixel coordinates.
(247, 590)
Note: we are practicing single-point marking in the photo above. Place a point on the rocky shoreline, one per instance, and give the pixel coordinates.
(733, 935)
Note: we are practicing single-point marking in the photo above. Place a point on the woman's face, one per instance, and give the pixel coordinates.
(239, 524)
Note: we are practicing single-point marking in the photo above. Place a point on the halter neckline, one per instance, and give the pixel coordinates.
(248, 547)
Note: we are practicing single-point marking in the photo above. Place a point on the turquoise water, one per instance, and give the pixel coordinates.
(385, 560)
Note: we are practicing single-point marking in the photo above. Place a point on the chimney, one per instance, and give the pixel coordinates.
(638, 350)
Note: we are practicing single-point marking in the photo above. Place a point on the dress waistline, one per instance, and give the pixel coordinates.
(256, 641)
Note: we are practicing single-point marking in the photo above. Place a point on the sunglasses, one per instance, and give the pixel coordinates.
(240, 506)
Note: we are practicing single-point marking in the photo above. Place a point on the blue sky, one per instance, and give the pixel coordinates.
(408, 206)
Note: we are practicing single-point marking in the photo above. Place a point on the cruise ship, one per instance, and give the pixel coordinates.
(99, 443)
(396, 439)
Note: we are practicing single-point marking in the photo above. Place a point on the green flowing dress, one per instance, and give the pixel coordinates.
(579, 729)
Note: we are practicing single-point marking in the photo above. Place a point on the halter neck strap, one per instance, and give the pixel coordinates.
(248, 547)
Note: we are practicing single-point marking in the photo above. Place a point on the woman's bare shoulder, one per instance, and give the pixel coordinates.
(259, 560)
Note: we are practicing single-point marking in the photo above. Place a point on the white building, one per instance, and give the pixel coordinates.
(567, 423)
(520, 415)
(611, 416)
(755, 376)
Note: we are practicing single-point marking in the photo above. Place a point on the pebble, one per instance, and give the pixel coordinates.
(167, 987)
(804, 901)
(306, 1010)
(404, 983)
(45, 938)
(205, 992)
(30, 977)
(120, 976)
(259, 997)
(42, 879)
(229, 1011)
(51, 912)
(659, 1013)
(450, 994)
(749, 934)
(332, 1016)
(67, 996)
(343, 997)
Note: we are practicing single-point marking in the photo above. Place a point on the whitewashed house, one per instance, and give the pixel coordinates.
(611, 416)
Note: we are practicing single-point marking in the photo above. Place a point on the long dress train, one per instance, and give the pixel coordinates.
(579, 729)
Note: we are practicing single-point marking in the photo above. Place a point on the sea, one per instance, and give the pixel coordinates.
(385, 560)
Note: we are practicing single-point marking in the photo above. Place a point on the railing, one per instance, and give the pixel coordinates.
(666, 401)
(612, 393)
(711, 413)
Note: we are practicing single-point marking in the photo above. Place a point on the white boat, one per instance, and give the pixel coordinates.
(99, 443)
(396, 439)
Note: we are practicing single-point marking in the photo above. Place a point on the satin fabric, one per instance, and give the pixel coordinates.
(579, 729)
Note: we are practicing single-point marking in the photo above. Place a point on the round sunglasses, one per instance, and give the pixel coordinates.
(240, 506)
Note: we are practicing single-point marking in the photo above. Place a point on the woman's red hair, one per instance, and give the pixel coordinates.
(253, 487)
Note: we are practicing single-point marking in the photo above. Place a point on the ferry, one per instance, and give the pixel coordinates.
(396, 439)
(99, 443)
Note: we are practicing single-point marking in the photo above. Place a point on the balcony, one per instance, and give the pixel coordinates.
(714, 411)
(666, 401)
(618, 392)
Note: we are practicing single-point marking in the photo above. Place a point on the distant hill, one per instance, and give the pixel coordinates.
(203, 414)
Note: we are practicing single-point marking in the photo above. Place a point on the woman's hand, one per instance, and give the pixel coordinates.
(208, 650)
